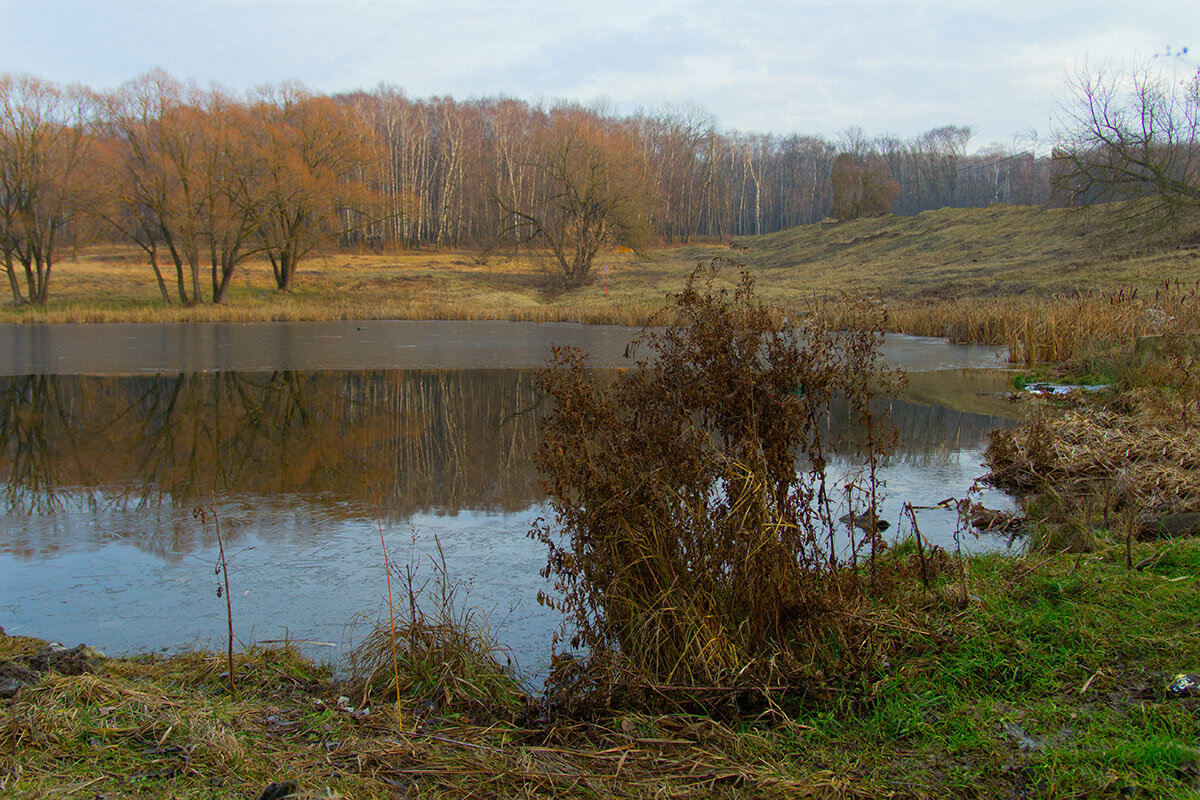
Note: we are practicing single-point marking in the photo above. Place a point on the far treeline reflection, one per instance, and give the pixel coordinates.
(421, 440)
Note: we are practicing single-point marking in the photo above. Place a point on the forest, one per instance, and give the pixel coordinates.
(201, 179)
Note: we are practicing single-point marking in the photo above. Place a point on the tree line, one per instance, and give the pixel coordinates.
(202, 179)
(448, 163)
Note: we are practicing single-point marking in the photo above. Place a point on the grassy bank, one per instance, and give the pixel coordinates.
(1000, 251)
(913, 674)
(956, 259)
(1048, 681)
(1050, 284)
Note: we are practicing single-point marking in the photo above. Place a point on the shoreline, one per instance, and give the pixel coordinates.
(1087, 650)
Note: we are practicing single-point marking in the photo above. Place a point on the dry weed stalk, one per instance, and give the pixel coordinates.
(222, 569)
(387, 571)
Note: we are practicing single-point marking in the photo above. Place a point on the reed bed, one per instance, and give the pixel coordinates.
(1071, 327)
(1091, 467)
(1129, 461)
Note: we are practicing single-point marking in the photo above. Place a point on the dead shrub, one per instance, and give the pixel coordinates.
(695, 545)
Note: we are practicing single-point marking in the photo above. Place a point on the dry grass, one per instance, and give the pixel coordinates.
(113, 284)
(1090, 471)
(951, 253)
(707, 572)
(1050, 284)
(443, 660)
(1135, 459)
(959, 272)
(1081, 326)
(166, 728)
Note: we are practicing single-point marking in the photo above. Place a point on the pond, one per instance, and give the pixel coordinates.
(426, 431)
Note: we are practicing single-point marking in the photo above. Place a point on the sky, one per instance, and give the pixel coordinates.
(897, 68)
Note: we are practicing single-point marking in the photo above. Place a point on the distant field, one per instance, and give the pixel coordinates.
(951, 254)
(116, 284)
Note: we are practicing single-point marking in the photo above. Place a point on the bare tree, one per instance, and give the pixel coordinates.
(593, 191)
(1130, 134)
(45, 151)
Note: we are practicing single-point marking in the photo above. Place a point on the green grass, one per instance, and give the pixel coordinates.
(1048, 683)
(1055, 680)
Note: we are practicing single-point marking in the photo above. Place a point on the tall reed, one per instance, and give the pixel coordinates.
(1061, 328)
(387, 571)
(222, 569)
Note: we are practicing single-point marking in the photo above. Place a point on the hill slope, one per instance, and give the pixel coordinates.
(977, 252)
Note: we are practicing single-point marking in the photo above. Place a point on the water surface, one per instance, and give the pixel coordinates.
(102, 474)
(123, 348)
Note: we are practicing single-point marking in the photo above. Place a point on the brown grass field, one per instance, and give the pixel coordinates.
(114, 283)
(997, 252)
(1004, 275)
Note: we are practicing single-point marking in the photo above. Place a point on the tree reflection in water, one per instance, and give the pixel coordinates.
(423, 441)
(100, 474)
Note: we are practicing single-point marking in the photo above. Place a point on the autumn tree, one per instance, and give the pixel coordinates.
(231, 192)
(1132, 134)
(309, 157)
(861, 188)
(45, 177)
(592, 191)
(181, 181)
(153, 170)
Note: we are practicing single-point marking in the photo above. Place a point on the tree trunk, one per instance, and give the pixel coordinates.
(162, 286)
(194, 266)
(14, 284)
(43, 292)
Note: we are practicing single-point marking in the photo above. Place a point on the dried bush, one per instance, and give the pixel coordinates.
(861, 188)
(695, 543)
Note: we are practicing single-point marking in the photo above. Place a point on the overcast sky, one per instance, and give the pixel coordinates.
(808, 67)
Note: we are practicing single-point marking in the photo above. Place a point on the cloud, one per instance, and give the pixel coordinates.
(812, 67)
